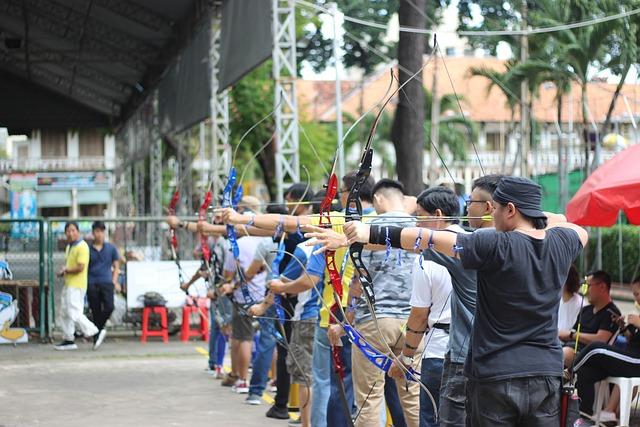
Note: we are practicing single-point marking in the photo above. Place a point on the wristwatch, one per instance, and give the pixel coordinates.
(571, 334)
(406, 360)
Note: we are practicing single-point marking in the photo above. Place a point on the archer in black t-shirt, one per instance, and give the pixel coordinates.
(513, 367)
(595, 320)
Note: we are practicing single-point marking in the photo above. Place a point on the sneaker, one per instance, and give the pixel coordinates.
(241, 387)
(272, 386)
(278, 413)
(66, 345)
(99, 338)
(229, 380)
(294, 423)
(209, 370)
(253, 399)
(606, 417)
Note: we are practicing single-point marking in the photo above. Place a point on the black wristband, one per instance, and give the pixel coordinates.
(378, 234)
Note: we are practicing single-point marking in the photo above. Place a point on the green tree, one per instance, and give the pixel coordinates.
(455, 131)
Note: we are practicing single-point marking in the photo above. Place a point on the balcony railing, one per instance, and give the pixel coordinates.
(54, 164)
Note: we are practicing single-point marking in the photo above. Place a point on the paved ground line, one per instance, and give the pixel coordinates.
(267, 398)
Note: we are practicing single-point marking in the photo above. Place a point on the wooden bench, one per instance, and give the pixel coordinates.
(20, 289)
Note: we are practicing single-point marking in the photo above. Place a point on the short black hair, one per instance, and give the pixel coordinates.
(277, 209)
(573, 280)
(538, 223)
(442, 198)
(387, 183)
(69, 224)
(601, 276)
(98, 225)
(488, 183)
(317, 199)
(366, 191)
(298, 190)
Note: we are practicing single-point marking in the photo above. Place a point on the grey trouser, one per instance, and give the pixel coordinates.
(453, 394)
(517, 402)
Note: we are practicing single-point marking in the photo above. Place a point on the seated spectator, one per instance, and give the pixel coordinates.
(571, 301)
(599, 360)
(595, 320)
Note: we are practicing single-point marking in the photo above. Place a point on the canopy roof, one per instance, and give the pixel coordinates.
(86, 63)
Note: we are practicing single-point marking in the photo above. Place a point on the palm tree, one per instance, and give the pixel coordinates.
(577, 49)
(509, 84)
(455, 130)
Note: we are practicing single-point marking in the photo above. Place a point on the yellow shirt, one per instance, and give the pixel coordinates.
(344, 266)
(74, 255)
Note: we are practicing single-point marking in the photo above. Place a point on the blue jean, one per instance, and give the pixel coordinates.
(431, 376)
(262, 359)
(217, 340)
(335, 410)
(321, 370)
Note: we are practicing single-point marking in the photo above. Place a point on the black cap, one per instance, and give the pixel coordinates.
(525, 195)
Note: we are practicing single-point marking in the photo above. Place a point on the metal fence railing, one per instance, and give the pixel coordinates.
(136, 238)
(22, 247)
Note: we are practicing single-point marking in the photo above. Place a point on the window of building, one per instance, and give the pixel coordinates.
(53, 143)
(23, 151)
(91, 143)
(93, 210)
(451, 51)
(58, 211)
(493, 141)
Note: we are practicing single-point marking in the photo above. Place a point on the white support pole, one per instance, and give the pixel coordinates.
(286, 105)
(336, 58)
(220, 144)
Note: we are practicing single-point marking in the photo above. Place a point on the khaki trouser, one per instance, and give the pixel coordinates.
(369, 379)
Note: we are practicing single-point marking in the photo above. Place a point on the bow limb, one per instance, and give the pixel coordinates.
(173, 237)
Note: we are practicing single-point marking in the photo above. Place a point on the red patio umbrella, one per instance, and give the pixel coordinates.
(615, 185)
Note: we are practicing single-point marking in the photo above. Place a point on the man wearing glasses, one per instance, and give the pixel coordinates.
(480, 202)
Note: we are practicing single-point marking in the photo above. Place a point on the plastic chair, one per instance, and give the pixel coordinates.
(627, 385)
(162, 332)
(202, 330)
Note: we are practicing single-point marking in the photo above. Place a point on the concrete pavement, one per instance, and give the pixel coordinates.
(124, 383)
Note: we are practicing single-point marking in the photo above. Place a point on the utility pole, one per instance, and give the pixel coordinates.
(336, 58)
(435, 124)
(524, 98)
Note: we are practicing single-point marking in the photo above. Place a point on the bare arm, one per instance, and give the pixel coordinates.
(601, 336)
(265, 221)
(299, 285)
(79, 268)
(417, 321)
(256, 267)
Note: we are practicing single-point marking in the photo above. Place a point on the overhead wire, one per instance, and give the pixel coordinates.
(485, 33)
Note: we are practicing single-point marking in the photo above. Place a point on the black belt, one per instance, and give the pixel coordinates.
(443, 326)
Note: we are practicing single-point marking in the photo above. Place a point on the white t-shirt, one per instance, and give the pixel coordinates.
(257, 285)
(568, 312)
(432, 288)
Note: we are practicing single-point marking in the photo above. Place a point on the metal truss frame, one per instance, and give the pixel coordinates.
(220, 144)
(286, 105)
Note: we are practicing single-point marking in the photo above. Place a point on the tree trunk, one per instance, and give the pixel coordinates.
(561, 166)
(267, 161)
(585, 128)
(407, 133)
(607, 120)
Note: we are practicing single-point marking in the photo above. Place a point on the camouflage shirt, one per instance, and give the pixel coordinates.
(391, 274)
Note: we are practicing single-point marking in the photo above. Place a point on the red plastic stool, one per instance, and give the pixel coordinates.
(202, 331)
(162, 332)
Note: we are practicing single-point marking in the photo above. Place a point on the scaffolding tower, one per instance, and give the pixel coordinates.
(286, 105)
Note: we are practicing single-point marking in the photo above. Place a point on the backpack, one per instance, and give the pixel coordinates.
(153, 299)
